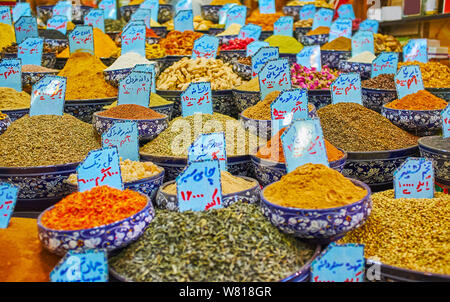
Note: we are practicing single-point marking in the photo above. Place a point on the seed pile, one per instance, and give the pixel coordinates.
(382, 81)
(12, 99)
(434, 74)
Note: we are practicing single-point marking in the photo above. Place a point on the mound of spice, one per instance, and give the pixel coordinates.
(85, 80)
(11, 99)
(234, 44)
(341, 43)
(313, 186)
(317, 3)
(266, 21)
(96, 207)
(310, 78)
(51, 34)
(232, 30)
(285, 44)
(233, 244)
(352, 127)
(363, 57)
(421, 100)
(407, 232)
(155, 101)
(7, 36)
(434, 74)
(321, 30)
(128, 60)
(114, 25)
(252, 85)
(273, 150)
(24, 258)
(44, 140)
(382, 81)
(386, 43)
(131, 112)
(104, 46)
(179, 43)
(304, 23)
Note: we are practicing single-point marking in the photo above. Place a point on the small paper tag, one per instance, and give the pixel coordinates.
(109, 8)
(346, 11)
(199, 186)
(414, 179)
(30, 51)
(307, 11)
(48, 95)
(446, 121)
(385, 63)
(346, 89)
(267, 6)
(288, 106)
(63, 8)
(197, 98)
(416, 50)
(369, 25)
(58, 23)
(183, 5)
(251, 31)
(309, 57)
(184, 20)
(323, 17)
(408, 80)
(82, 39)
(100, 168)
(275, 76)
(150, 68)
(205, 47)
(223, 12)
(261, 57)
(8, 198)
(5, 15)
(133, 40)
(25, 27)
(95, 18)
(253, 47)
(284, 26)
(135, 88)
(340, 28)
(362, 41)
(86, 266)
(11, 73)
(133, 23)
(152, 5)
(143, 15)
(237, 14)
(209, 146)
(21, 9)
(124, 136)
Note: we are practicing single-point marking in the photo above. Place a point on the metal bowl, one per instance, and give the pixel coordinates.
(332, 58)
(364, 69)
(31, 78)
(243, 70)
(437, 149)
(84, 109)
(374, 99)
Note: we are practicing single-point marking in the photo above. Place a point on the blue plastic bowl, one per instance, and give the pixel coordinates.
(243, 70)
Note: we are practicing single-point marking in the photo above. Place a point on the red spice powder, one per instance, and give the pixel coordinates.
(131, 112)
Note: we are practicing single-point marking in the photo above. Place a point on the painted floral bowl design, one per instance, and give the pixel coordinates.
(319, 97)
(291, 57)
(244, 99)
(314, 39)
(31, 78)
(439, 156)
(165, 12)
(61, 62)
(265, 34)
(239, 165)
(364, 69)
(170, 201)
(226, 39)
(110, 236)
(417, 122)
(170, 60)
(268, 171)
(243, 70)
(164, 109)
(332, 58)
(211, 12)
(48, 58)
(113, 77)
(160, 31)
(292, 10)
(215, 31)
(147, 129)
(85, 109)
(4, 124)
(376, 168)
(374, 99)
(15, 114)
(329, 224)
(231, 56)
(299, 32)
(45, 12)
(56, 45)
(443, 93)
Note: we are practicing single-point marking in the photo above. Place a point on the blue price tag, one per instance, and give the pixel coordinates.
(307, 11)
(362, 41)
(109, 8)
(223, 12)
(11, 73)
(414, 179)
(184, 20)
(385, 63)
(5, 15)
(210, 146)
(199, 187)
(416, 50)
(274, 76)
(408, 80)
(237, 14)
(135, 88)
(309, 56)
(63, 8)
(284, 26)
(48, 95)
(21, 9)
(150, 68)
(261, 57)
(183, 5)
(267, 6)
(95, 18)
(346, 11)
(205, 47)
(250, 31)
(303, 143)
(58, 23)
(288, 106)
(8, 198)
(142, 15)
(340, 28)
(152, 5)
(369, 25)
(346, 89)
(323, 17)
(81, 39)
(133, 39)
(86, 266)
(339, 263)
(124, 136)
(25, 27)
(30, 51)
(253, 47)
(445, 114)
(100, 168)
(133, 23)
(197, 98)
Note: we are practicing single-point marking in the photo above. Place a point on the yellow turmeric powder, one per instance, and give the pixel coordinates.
(104, 46)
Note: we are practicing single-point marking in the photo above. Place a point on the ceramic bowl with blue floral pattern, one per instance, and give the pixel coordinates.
(4, 124)
(332, 58)
(56, 45)
(314, 39)
(443, 93)
(215, 31)
(160, 31)
(85, 109)
(15, 114)
(374, 99)
(437, 149)
(299, 32)
(364, 69)
(48, 58)
(291, 57)
(31, 78)
(113, 77)
(165, 12)
(225, 39)
(210, 12)
(319, 97)
(45, 12)
(265, 34)
(292, 10)
(164, 109)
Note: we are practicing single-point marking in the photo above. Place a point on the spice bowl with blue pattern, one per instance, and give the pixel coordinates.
(332, 58)
(15, 114)
(210, 12)
(443, 93)
(48, 58)
(110, 237)
(374, 99)
(113, 77)
(244, 99)
(364, 69)
(160, 31)
(319, 97)
(299, 32)
(437, 149)
(292, 10)
(30, 78)
(214, 31)
(231, 56)
(243, 70)
(56, 45)
(44, 12)
(321, 225)
(85, 109)
(5, 121)
(291, 57)
(314, 39)
(164, 109)
(265, 34)
(127, 11)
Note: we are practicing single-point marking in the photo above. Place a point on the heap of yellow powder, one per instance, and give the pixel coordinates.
(313, 186)
(104, 46)
(7, 36)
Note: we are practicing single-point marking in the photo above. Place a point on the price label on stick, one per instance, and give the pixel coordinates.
(275, 76)
(135, 88)
(346, 89)
(362, 41)
(100, 168)
(5, 15)
(86, 266)
(446, 121)
(199, 187)
(237, 14)
(345, 11)
(25, 27)
(205, 47)
(261, 57)
(253, 47)
(414, 179)
(153, 6)
(8, 198)
(209, 146)
(109, 8)
(21, 9)
(303, 143)
(142, 15)
(150, 68)
(184, 20)
(416, 50)
(133, 23)
(385, 63)
(323, 17)
(81, 39)
(95, 18)
(48, 95)
(307, 11)
(309, 57)
(133, 39)
(369, 25)
(408, 80)
(288, 106)
(58, 23)
(340, 28)
(183, 5)
(63, 8)
(30, 51)
(11, 73)
(284, 26)
(197, 98)
(339, 263)
(124, 136)
(267, 6)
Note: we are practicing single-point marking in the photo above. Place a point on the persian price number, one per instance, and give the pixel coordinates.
(86, 266)
(340, 28)
(414, 179)
(261, 57)
(124, 136)
(253, 47)
(30, 51)
(209, 146)
(144, 15)
(63, 8)
(150, 68)
(25, 27)
(153, 6)
(199, 187)
(11, 73)
(109, 8)
(21, 9)
(346, 11)
(267, 6)
(274, 76)
(303, 143)
(284, 26)
(100, 167)
(416, 50)
(133, 39)
(362, 41)
(323, 17)
(58, 23)
(369, 25)
(8, 198)
(197, 98)
(346, 89)
(236, 14)
(385, 63)
(339, 263)
(184, 20)
(205, 47)
(288, 106)
(307, 12)
(48, 95)
(446, 122)
(251, 31)
(82, 39)
(5, 15)
(135, 88)
(95, 18)
(309, 57)
(408, 80)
